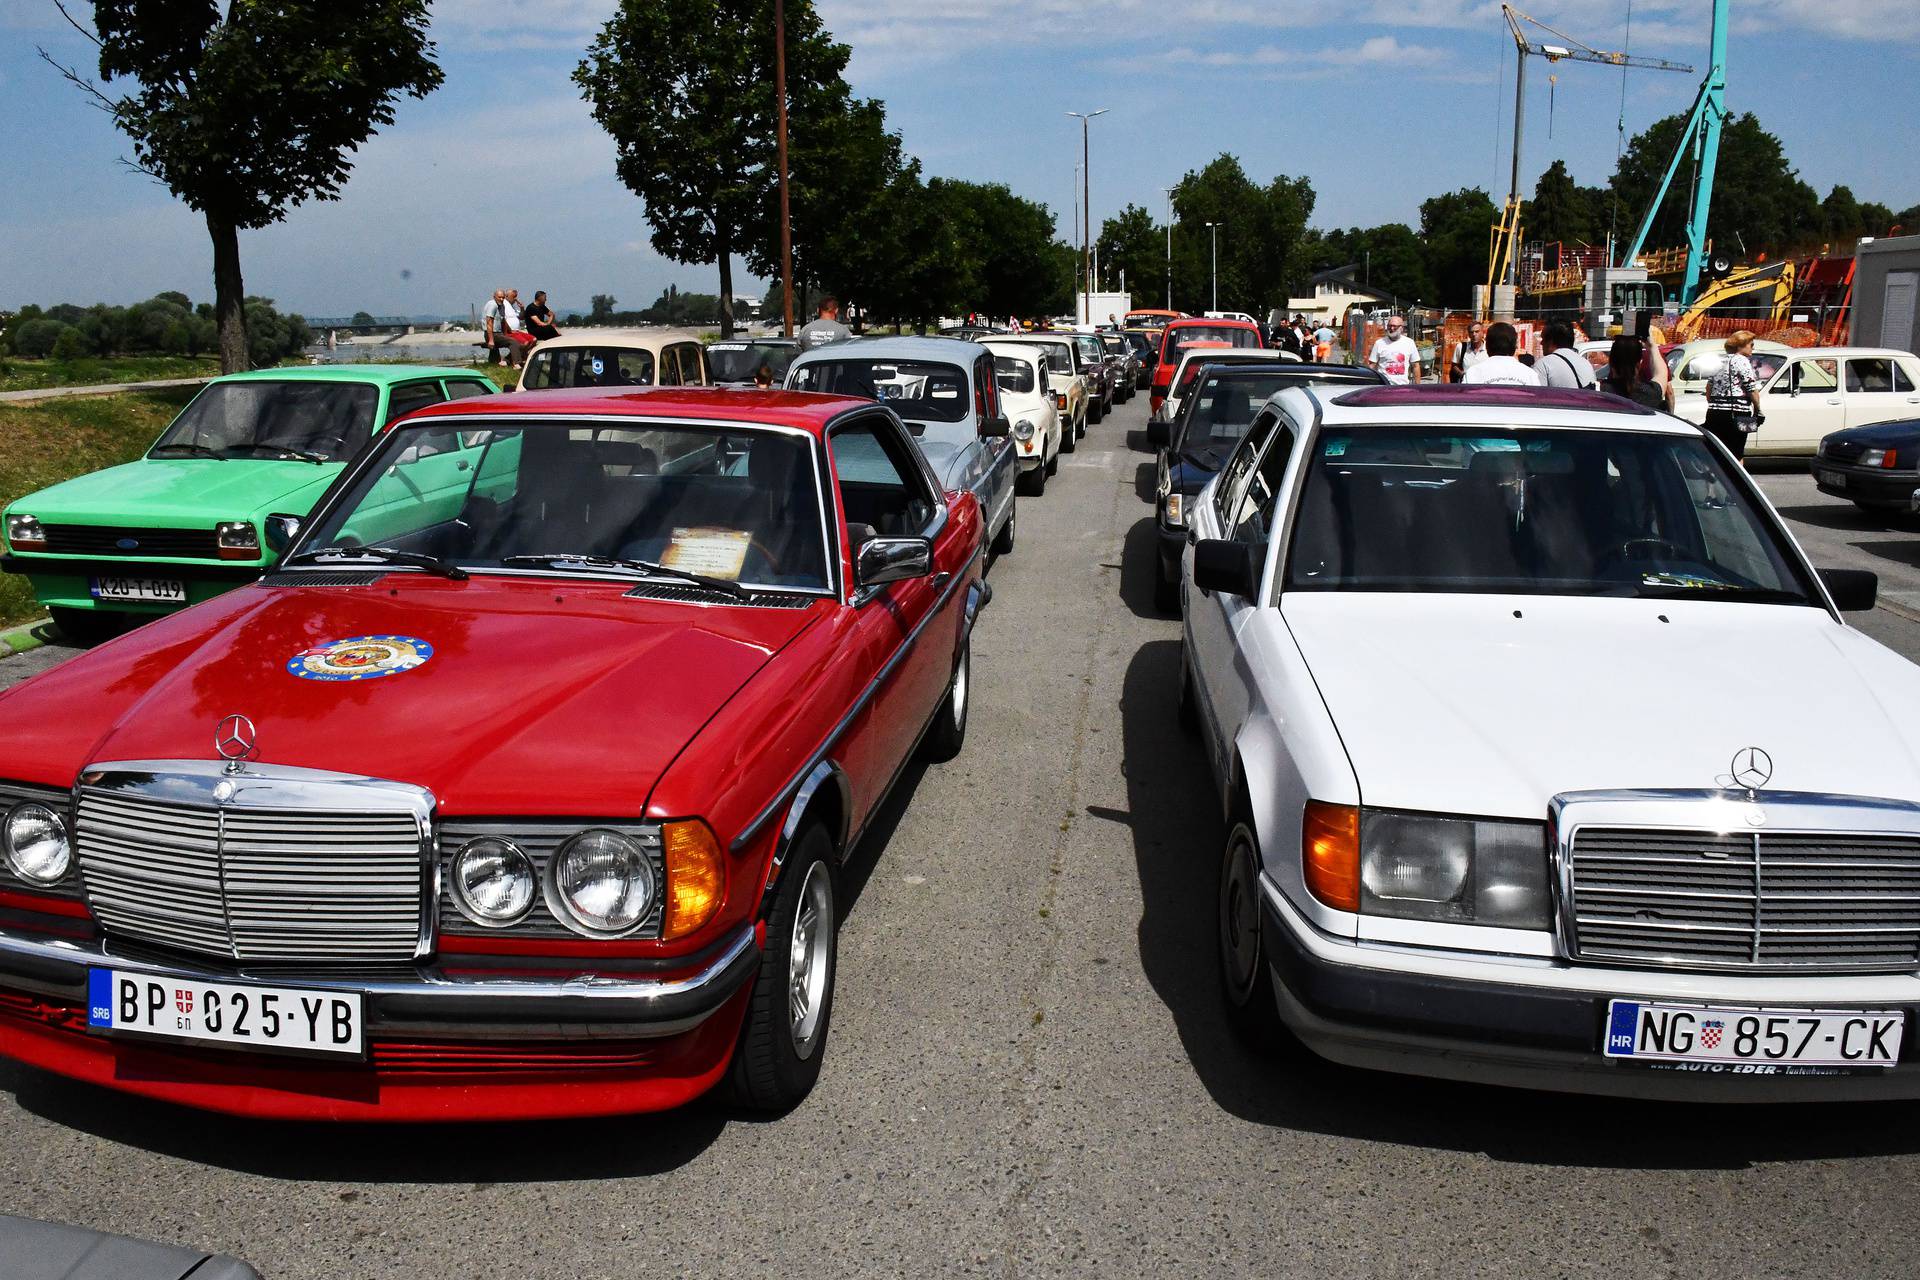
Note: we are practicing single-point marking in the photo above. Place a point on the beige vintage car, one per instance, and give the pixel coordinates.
(617, 358)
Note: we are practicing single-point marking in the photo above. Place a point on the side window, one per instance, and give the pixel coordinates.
(1226, 493)
(669, 367)
(1901, 382)
(407, 397)
(881, 484)
(1870, 375)
(1252, 520)
(986, 388)
(464, 388)
(693, 365)
(1808, 375)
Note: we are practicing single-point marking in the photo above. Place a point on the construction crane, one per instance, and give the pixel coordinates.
(1702, 137)
(1503, 259)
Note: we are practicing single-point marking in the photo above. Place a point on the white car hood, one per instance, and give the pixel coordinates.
(1453, 704)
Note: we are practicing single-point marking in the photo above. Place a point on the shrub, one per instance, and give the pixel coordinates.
(36, 337)
(70, 346)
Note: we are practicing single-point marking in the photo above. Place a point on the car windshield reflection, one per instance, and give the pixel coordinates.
(735, 505)
(310, 420)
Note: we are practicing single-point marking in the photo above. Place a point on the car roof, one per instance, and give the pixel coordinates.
(1212, 322)
(1050, 335)
(1028, 350)
(1358, 374)
(753, 340)
(951, 350)
(1852, 351)
(385, 374)
(1467, 404)
(637, 339)
(805, 410)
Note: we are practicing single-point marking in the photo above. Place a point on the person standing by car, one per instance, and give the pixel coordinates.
(1733, 396)
(1623, 374)
(539, 318)
(1395, 357)
(1323, 339)
(826, 327)
(1563, 365)
(1500, 368)
(493, 329)
(1469, 353)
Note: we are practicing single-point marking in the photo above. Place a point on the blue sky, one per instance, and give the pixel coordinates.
(502, 177)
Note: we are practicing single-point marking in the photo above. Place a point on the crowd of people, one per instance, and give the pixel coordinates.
(508, 329)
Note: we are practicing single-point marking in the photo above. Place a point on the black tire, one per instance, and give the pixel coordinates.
(949, 731)
(1003, 541)
(1069, 437)
(1095, 413)
(1166, 591)
(774, 1065)
(1053, 463)
(1032, 483)
(1080, 432)
(1185, 711)
(1246, 982)
(87, 626)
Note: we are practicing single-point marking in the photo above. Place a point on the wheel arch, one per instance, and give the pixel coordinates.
(824, 796)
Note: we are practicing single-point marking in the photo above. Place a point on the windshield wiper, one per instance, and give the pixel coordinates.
(196, 450)
(388, 555)
(1718, 591)
(721, 585)
(290, 454)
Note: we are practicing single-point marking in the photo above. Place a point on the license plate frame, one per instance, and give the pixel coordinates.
(130, 588)
(1709, 1037)
(1832, 479)
(272, 1019)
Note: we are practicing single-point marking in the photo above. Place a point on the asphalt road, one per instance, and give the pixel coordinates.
(1029, 1073)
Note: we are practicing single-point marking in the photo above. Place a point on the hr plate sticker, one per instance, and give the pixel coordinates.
(360, 658)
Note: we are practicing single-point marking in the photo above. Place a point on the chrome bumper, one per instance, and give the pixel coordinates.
(430, 1001)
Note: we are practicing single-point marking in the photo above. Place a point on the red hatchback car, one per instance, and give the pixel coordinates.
(1183, 333)
(520, 789)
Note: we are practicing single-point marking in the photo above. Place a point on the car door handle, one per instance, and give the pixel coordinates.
(940, 580)
(462, 465)
(1833, 400)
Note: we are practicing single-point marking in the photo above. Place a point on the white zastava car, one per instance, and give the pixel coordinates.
(1547, 757)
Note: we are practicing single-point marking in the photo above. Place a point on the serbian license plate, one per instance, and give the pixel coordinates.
(1832, 479)
(162, 590)
(276, 1019)
(1643, 1031)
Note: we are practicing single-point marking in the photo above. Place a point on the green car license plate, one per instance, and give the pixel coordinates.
(144, 590)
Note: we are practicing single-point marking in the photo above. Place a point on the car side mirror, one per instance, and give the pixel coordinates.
(995, 427)
(1853, 590)
(884, 560)
(280, 531)
(1159, 433)
(1231, 568)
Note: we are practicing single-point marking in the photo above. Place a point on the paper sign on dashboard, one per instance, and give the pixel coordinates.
(717, 553)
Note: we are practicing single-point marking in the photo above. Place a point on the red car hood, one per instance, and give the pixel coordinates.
(565, 699)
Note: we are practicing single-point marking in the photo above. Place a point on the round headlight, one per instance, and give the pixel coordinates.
(493, 880)
(1023, 430)
(37, 846)
(602, 882)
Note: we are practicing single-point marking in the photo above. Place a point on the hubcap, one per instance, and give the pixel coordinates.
(810, 960)
(1239, 913)
(960, 691)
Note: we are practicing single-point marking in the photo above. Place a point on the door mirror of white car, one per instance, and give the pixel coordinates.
(1853, 590)
(281, 530)
(1232, 568)
(995, 427)
(1159, 433)
(884, 560)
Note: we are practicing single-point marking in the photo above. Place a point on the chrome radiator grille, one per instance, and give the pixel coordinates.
(1746, 900)
(253, 883)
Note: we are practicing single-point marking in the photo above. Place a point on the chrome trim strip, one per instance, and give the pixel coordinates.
(820, 775)
(760, 820)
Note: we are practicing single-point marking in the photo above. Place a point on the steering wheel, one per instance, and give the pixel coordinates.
(1626, 550)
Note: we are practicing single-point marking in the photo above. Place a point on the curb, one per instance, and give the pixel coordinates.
(28, 635)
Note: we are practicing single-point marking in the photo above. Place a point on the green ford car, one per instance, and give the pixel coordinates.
(192, 518)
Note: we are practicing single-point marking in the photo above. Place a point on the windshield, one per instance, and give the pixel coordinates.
(1059, 356)
(740, 361)
(1220, 411)
(1186, 335)
(1090, 349)
(1144, 343)
(1014, 375)
(589, 367)
(1114, 343)
(325, 421)
(917, 389)
(1515, 510)
(723, 501)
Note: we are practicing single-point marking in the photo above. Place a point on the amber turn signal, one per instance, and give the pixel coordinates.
(1330, 853)
(696, 877)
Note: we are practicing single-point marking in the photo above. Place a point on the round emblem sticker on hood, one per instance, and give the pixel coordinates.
(360, 658)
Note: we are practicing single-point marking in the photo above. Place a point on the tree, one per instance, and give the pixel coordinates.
(36, 337)
(1454, 229)
(685, 88)
(1133, 245)
(1260, 234)
(1759, 202)
(361, 319)
(602, 308)
(248, 109)
(1562, 210)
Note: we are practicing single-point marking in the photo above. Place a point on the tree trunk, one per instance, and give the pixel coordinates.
(229, 295)
(723, 241)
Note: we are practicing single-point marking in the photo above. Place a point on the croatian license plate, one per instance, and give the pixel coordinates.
(276, 1019)
(1646, 1031)
(163, 590)
(1833, 478)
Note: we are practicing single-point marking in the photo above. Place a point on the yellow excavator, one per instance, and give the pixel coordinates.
(1772, 281)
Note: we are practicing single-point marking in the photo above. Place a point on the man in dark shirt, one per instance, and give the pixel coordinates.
(539, 318)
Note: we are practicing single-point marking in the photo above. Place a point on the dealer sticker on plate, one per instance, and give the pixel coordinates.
(1655, 1033)
(283, 1019)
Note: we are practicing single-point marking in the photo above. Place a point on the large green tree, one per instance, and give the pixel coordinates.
(247, 109)
(1562, 210)
(1759, 202)
(686, 90)
(1454, 231)
(1134, 246)
(1259, 232)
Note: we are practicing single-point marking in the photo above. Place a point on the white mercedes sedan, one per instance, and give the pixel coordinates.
(1548, 758)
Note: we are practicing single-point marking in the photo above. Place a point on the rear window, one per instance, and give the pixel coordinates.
(1014, 374)
(921, 390)
(588, 367)
(1179, 337)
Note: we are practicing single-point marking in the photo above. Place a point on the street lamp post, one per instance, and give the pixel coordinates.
(786, 215)
(1214, 229)
(1086, 210)
(1169, 191)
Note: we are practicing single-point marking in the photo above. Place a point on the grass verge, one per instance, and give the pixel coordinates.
(43, 443)
(20, 374)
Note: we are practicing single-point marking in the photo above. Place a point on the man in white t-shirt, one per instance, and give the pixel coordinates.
(1500, 368)
(1395, 356)
(1563, 365)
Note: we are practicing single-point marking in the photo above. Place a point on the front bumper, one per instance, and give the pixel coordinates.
(1519, 1034)
(65, 581)
(443, 1042)
(1875, 486)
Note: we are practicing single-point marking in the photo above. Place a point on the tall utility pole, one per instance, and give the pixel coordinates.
(1169, 191)
(1503, 264)
(1214, 228)
(1086, 211)
(786, 215)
